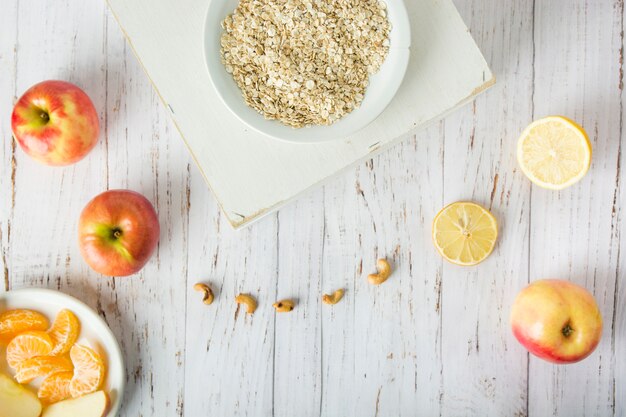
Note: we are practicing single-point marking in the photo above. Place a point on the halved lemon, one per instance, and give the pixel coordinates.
(465, 233)
(554, 152)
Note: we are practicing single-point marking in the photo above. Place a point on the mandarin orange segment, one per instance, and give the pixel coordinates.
(55, 387)
(64, 332)
(28, 345)
(14, 322)
(41, 366)
(88, 371)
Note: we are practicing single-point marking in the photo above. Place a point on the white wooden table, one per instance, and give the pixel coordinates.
(435, 339)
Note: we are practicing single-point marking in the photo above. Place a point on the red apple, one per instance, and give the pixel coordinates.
(557, 321)
(55, 123)
(117, 232)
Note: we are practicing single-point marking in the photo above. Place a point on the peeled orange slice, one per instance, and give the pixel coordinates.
(554, 152)
(41, 366)
(55, 388)
(465, 233)
(27, 345)
(14, 322)
(88, 371)
(64, 332)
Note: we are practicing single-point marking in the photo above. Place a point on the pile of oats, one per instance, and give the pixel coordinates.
(305, 62)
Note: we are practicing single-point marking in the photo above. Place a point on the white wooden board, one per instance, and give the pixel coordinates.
(434, 340)
(252, 175)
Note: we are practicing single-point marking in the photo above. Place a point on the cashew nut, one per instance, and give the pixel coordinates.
(333, 298)
(248, 300)
(384, 270)
(284, 306)
(208, 297)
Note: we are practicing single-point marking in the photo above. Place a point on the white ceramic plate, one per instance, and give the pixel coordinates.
(94, 333)
(383, 85)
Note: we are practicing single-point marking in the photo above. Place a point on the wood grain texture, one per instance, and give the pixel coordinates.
(230, 354)
(579, 76)
(480, 165)
(374, 358)
(434, 339)
(8, 63)
(618, 321)
(298, 352)
(144, 155)
(82, 44)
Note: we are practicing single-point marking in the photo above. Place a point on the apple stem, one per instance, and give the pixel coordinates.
(567, 330)
(117, 233)
(44, 116)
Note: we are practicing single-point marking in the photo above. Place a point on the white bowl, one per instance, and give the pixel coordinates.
(94, 333)
(383, 85)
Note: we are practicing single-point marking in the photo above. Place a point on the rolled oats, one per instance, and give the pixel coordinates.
(305, 62)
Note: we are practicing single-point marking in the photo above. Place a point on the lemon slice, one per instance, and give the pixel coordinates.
(554, 152)
(465, 233)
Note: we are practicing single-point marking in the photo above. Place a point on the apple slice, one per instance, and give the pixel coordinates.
(90, 405)
(16, 400)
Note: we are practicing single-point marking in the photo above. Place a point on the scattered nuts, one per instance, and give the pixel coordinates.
(333, 298)
(384, 270)
(248, 300)
(208, 297)
(284, 306)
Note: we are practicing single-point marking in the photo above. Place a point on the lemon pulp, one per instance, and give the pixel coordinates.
(554, 152)
(465, 233)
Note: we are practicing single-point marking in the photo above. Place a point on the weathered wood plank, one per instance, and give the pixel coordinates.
(434, 339)
(47, 201)
(76, 42)
(484, 369)
(618, 321)
(8, 70)
(145, 154)
(229, 353)
(381, 345)
(298, 335)
(577, 74)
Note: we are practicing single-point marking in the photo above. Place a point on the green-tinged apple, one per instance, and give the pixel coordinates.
(557, 321)
(55, 123)
(16, 400)
(117, 232)
(90, 405)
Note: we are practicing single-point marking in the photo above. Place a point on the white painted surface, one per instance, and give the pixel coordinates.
(434, 340)
(251, 174)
